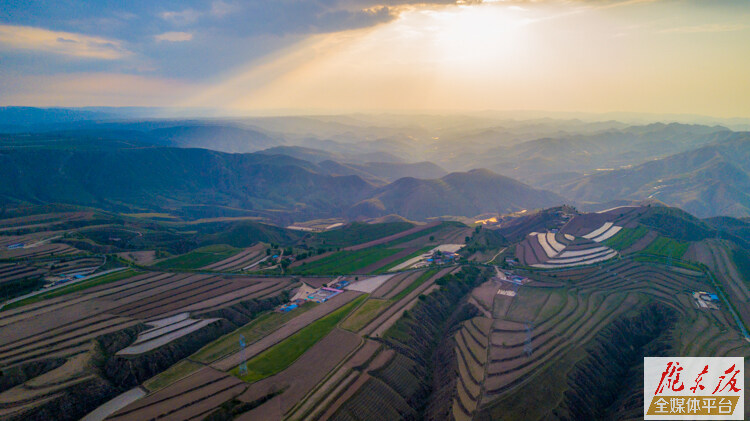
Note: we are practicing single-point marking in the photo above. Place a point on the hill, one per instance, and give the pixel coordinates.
(278, 187)
(224, 138)
(462, 194)
(169, 178)
(709, 181)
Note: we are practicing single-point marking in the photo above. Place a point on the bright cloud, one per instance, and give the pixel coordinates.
(65, 43)
(183, 17)
(174, 36)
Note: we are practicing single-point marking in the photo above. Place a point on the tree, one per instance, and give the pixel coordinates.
(432, 238)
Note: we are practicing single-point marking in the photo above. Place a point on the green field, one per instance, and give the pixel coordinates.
(388, 267)
(283, 354)
(80, 286)
(256, 329)
(741, 258)
(345, 261)
(626, 238)
(417, 282)
(664, 246)
(199, 257)
(358, 233)
(171, 375)
(364, 314)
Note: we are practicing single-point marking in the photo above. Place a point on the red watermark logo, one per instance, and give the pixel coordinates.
(694, 388)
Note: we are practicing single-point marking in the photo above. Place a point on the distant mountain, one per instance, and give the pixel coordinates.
(463, 194)
(346, 164)
(333, 151)
(14, 119)
(278, 187)
(544, 162)
(384, 170)
(168, 178)
(224, 138)
(708, 181)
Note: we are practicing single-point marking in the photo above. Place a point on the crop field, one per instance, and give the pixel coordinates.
(197, 258)
(551, 323)
(364, 314)
(171, 375)
(666, 247)
(291, 327)
(43, 250)
(280, 356)
(239, 261)
(256, 329)
(76, 287)
(401, 237)
(626, 237)
(194, 396)
(346, 261)
(301, 376)
(360, 233)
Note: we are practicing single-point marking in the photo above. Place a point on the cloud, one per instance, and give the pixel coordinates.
(65, 43)
(84, 89)
(184, 17)
(220, 8)
(174, 36)
(696, 29)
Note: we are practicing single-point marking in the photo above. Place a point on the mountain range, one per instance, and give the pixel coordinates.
(275, 186)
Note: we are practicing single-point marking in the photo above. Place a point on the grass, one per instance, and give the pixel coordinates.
(664, 246)
(646, 258)
(417, 282)
(364, 314)
(741, 258)
(252, 331)
(79, 286)
(346, 261)
(282, 355)
(419, 252)
(199, 257)
(626, 237)
(171, 375)
(358, 233)
(527, 304)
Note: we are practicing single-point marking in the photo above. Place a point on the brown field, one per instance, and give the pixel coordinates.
(378, 326)
(191, 397)
(387, 286)
(144, 258)
(286, 330)
(12, 272)
(41, 250)
(351, 385)
(240, 260)
(42, 220)
(300, 377)
(63, 325)
(405, 282)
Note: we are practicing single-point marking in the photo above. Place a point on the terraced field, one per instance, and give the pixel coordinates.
(202, 257)
(542, 325)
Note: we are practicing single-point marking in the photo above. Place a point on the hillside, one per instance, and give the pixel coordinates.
(224, 138)
(169, 178)
(708, 181)
(278, 187)
(463, 194)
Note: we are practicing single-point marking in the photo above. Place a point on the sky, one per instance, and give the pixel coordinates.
(338, 56)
